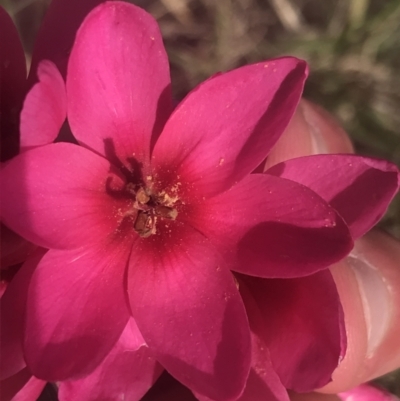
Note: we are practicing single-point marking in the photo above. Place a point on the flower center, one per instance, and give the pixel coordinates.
(150, 208)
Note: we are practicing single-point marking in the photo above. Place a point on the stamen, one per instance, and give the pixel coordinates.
(142, 197)
(149, 208)
(145, 224)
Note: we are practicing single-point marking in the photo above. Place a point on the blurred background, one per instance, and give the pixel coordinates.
(352, 47)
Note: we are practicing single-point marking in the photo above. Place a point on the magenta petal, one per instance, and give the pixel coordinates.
(367, 392)
(61, 196)
(118, 82)
(12, 86)
(272, 227)
(226, 127)
(45, 108)
(360, 189)
(13, 248)
(263, 382)
(12, 317)
(303, 327)
(57, 33)
(76, 310)
(190, 313)
(257, 390)
(126, 373)
(21, 387)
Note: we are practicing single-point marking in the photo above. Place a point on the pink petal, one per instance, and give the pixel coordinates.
(12, 315)
(118, 82)
(127, 372)
(263, 382)
(367, 392)
(13, 248)
(271, 227)
(190, 313)
(57, 33)
(312, 130)
(45, 108)
(360, 189)
(12, 86)
(76, 310)
(21, 387)
(303, 327)
(226, 127)
(258, 390)
(62, 196)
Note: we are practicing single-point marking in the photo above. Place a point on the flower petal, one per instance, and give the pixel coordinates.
(118, 82)
(62, 196)
(21, 387)
(127, 372)
(13, 248)
(303, 327)
(76, 310)
(367, 392)
(12, 315)
(312, 130)
(359, 188)
(263, 382)
(226, 127)
(258, 390)
(12, 86)
(45, 108)
(57, 33)
(271, 227)
(190, 313)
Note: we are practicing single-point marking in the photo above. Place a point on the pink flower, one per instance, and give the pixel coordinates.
(16, 380)
(43, 113)
(298, 332)
(308, 338)
(129, 370)
(367, 392)
(21, 386)
(146, 218)
(44, 108)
